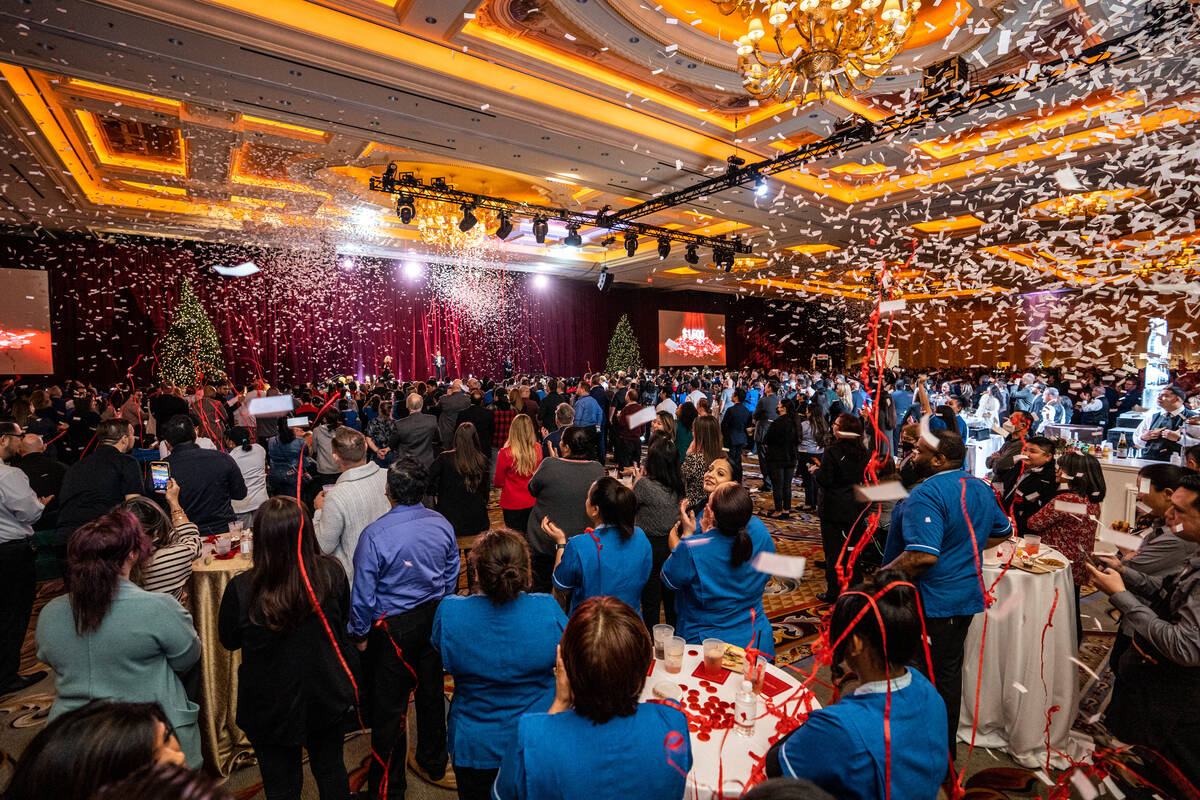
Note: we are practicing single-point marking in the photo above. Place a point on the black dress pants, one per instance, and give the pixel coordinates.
(416, 668)
(735, 460)
(475, 784)
(655, 594)
(628, 452)
(281, 766)
(781, 484)
(947, 637)
(18, 585)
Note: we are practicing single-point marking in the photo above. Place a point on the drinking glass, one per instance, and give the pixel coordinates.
(1032, 544)
(674, 647)
(222, 545)
(714, 652)
(661, 634)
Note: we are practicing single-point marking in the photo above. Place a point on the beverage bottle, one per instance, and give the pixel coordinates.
(745, 709)
(1123, 447)
(247, 545)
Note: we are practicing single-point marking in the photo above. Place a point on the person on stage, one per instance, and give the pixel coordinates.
(439, 365)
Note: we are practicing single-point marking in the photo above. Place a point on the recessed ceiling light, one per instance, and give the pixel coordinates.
(431, 20)
(175, 42)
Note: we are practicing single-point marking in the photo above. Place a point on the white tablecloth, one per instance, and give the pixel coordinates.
(1012, 701)
(732, 751)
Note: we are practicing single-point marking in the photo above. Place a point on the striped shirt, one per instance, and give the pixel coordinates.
(171, 566)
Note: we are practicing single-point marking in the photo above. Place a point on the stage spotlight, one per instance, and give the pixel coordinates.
(573, 239)
(505, 229)
(540, 228)
(405, 208)
(760, 185)
(540, 281)
(631, 243)
(691, 256)
(724, 259)
(468, 220)
(389, 177)
(347, 263)
(412, 269)
(664, 248)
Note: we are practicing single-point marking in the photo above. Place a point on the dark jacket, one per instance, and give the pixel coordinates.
(414, 437)
(734, 424)
(547, 407)
(781, 441)
(93, 485)
(465, 511)
(841, 469)
(208, 480)
(1034, 490)
(289, 683)
(450, 406)
(484, 420)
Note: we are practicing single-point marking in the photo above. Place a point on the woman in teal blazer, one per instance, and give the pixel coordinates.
(110, 639)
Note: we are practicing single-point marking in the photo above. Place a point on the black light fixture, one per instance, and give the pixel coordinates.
(540, 228)
(573, 239)
(724, 259)
(505, 228)
(468, 220)
(691, 256)
(631, 243)
(389, 176)
(405, 208)
(664, 247)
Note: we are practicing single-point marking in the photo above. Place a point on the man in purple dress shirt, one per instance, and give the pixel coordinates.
(404, 564)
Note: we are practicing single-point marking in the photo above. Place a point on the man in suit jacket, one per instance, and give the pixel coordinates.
(482, 417)
(733, 427)
(449, 406)
(414, 434)
(439, 365)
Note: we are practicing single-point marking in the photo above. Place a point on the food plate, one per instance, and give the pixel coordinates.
(1102, 548)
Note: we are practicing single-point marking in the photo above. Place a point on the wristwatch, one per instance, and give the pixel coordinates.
(560, 546)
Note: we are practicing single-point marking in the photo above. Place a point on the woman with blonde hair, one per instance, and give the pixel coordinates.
(515, 464)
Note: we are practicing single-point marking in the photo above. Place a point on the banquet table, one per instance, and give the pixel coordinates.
(1027, 666)
(731, 757)
(221, 740)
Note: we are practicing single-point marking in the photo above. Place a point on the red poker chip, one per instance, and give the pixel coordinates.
(710, 689)
(703, 736)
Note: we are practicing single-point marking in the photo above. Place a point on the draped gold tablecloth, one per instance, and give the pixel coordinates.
(222, 741)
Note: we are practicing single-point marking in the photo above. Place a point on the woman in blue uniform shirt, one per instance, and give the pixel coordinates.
(716, 588)
(495, 682)
(853, 727)
(613, 560)
(597, 740)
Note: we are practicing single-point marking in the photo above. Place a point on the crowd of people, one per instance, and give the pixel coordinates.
(624, 502)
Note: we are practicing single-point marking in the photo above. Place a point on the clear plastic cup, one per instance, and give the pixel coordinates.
(222, 545)
(714, 652)
(1032, 544)
(674, 660)
(661, 634)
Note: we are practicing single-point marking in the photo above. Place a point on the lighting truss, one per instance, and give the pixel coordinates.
(1169, 17)
(406, 184)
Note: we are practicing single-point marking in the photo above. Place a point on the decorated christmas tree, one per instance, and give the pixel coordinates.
(623, 353)
(190, 350)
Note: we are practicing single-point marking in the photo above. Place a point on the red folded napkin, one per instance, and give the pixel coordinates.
(772, 685)
(701, 673)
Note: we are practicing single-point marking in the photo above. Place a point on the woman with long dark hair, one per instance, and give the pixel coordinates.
(97, 743)
(596, 739)
(685, 418)
(495, 682)
(658, 490)
(1081, 483)
(614, 559)
(458, 481)
(780, 448)
(111, 639)
(175, 541)
(704, 449)
(718, 592)
(293, 691)
(814, 433)
(842, 467)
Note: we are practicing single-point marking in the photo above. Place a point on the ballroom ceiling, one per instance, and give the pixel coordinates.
(261, 122)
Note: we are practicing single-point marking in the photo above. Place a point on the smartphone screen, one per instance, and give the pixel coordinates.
(297, 422)
(160, 473)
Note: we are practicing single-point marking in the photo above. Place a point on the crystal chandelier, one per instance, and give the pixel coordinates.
(822, 46)
(438, 225)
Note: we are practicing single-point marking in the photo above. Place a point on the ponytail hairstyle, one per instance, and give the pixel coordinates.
(96, 554)
(240, 437)
(732, 508)
(897, 608)
(500, 559)
(617, 504)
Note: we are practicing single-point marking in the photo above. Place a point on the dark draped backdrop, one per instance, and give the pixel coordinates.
(306, 316)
